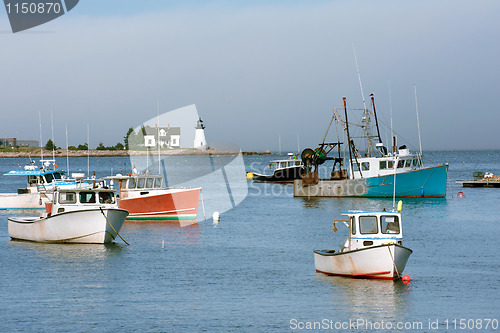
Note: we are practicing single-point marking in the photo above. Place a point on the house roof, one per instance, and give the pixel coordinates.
(169, 130)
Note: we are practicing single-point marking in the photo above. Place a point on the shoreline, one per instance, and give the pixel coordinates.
(110, 153)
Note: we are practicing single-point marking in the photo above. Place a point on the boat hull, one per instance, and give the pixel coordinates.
(425, 182)
(386, 261)
(34, 200)
(286, 175)
(81, 226)
(164, 204)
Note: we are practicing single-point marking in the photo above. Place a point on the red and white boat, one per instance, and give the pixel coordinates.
(143, 196)
(373, 248)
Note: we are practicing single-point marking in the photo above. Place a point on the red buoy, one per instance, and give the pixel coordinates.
(460, 195)
(406, 278)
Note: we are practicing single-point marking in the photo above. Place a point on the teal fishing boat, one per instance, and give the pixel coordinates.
(376, 173)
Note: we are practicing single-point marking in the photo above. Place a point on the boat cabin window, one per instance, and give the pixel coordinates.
(353, 225)
(87, 197)
(389, 224)
(32, 180)
(297, 162)
(67, 197)
(382, 165)
(141, 182)
(132, 183)
(149, 182)
(416, 162)
(365, 166)
(49, 178)
(408, 163)
(401, 164)
(368, 224)
(390, 164)
(157, 182)
(57, 175)
(106, 197)
(355, 166)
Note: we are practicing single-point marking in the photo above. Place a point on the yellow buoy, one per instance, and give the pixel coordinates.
(400, 205)
(249, 175)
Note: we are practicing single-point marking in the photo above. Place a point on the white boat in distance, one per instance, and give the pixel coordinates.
(40, 184)
(77, 215)
(373, 248)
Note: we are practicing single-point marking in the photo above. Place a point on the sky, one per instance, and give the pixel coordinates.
(259, 72)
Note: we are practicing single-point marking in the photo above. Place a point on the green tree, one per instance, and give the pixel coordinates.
(83, 147)
(50, 145)
(119, 146)
(101, 146)
(125, 138)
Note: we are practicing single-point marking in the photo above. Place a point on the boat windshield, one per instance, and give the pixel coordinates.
(48, 178)
(389, 224)
(149, 182)
(132, 183)
(368, 225)
(141, 182)
(67, 197)
(106, 197)
(87, 197)
(157, 182)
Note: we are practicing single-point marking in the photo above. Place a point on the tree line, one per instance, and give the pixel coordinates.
(50, 145)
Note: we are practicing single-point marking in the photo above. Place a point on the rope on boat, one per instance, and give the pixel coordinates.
(112, 226)
(394, 263)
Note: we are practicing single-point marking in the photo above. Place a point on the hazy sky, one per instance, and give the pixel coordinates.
(256, 70)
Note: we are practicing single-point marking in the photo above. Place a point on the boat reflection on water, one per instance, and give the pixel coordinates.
(180, 223)
(368, 298)
(153, 232)
(71, 251)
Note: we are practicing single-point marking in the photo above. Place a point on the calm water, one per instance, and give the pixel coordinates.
(254, 271)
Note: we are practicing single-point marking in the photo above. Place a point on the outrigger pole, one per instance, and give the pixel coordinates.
(351, 143)
(348, 136)
(376, 120)
(376, 124)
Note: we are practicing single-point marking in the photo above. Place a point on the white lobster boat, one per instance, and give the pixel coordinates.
(373, 248)
(77, 215)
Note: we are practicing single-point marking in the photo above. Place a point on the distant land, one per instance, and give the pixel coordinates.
(94, 152)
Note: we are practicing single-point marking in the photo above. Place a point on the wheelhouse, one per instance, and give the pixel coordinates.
(141, 182)
(85, 197)
(282, 164)
(384, 166)
(372, 229)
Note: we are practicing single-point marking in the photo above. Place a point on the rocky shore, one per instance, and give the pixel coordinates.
(93, 152)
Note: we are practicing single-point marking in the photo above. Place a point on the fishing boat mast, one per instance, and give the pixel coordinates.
(348, 136)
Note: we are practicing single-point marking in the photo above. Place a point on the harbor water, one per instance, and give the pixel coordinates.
(254, 270)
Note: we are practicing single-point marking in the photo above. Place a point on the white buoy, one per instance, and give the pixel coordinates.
(163, 244)
(216, 217)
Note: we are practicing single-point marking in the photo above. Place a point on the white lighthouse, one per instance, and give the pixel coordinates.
(199, 136)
